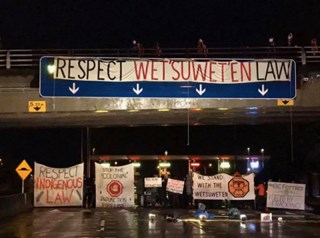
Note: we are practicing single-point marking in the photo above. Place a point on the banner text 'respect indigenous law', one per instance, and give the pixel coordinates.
(114, 186)
(55, 187)
(171, 70)
(223, 186)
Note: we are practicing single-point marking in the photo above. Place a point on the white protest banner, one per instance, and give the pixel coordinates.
(286, 195)
(223, 186)
(114, 186)
(171, 70)
(152, 182)
(55, 187)
(175, 186)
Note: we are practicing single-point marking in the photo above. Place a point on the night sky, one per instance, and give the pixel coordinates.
(172, 23)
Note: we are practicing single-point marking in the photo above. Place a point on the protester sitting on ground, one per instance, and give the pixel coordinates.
(234, 213)
(201, 213)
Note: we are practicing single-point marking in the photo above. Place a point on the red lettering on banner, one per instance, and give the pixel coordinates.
(212, 72)
(60, 197)
(47, 198)
(164, 62)
(153, 70)
(43, 183)
(233, 72)
(182, 70)
(175, 70)
(222, 70)
(246, 71)
(199, 71)
(141, 69)
(63, 197)
(209, 71)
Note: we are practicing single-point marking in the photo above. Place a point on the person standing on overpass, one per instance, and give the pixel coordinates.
(202, 49)
(314, 46)
(290, 39)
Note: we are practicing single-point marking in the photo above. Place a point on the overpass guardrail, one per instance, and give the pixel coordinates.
(29, 58)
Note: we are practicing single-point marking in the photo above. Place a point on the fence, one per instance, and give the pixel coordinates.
(24, 58)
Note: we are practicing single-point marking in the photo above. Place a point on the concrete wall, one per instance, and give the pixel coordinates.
(20, 87)
(25, 84)
(11, 205)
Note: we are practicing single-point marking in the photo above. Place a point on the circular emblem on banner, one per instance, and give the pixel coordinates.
(114, 188)
(238, 187)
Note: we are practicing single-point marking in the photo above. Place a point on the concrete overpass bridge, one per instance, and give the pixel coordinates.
(19, 85)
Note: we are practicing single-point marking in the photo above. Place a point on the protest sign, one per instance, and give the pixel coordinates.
(223, 186)
(175, 186)
(114, 186)
(152, 182)
(58, 186)
(286, 195)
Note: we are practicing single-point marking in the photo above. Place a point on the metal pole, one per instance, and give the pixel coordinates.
(81, 146)
(291, 130)
(8, 61)
(88, 151)
(22, 187)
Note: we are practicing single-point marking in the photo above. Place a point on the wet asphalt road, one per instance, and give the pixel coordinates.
(78, 222)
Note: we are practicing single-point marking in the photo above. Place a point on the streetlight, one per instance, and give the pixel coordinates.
(164, 165)
(248, 160)
(262, 153)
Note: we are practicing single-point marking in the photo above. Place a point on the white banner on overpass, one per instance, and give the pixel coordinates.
(171, 70)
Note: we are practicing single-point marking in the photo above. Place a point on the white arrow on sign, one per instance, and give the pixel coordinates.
(74, 88)
(137, 90)
(200, 90)
(262, 91)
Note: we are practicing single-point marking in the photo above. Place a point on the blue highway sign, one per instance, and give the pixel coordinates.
(167, 78)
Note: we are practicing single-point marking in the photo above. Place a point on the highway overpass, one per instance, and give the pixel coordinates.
(19, 86)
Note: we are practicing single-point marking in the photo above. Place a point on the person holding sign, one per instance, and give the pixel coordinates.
(140, 192)
(188, 189)
(88, 193)
(154, 194)
(260, 195)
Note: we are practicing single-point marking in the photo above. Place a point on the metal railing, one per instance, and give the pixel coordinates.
(29, 58)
